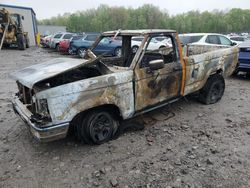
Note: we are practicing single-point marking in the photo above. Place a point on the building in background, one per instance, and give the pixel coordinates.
(29, 22)
(45, 30)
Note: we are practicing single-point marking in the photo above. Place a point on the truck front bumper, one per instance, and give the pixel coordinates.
(42, 134)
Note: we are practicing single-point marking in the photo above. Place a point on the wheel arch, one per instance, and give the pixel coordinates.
(112, 108)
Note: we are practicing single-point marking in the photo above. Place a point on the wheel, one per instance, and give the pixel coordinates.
(248, 75)
(235, 73)
(118, 52)
(96, 127)
(213, 90)
(27, 42)
(21, 42)
(57, 47)
(70, 52)
(134, 49)
(81, 52)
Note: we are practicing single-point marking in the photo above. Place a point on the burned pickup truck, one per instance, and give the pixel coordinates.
(95, 94)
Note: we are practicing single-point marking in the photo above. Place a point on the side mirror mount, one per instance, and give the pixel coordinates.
(156, 64)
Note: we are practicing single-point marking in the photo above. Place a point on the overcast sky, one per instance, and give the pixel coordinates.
(49, 8)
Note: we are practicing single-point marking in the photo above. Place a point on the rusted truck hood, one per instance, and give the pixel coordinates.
(33, 74)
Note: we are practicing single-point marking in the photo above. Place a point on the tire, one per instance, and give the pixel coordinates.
(213, 90)
(134, 49)
(27, 42)
(57, 47)
(118, 52)
(21, 42)
(96, 127)
(248, 75)
(81, 52)
(235, 73)
(80, 131)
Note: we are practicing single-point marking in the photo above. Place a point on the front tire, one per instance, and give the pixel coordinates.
(96, 127)
(213, 90)
(21, 42)
(134, 49)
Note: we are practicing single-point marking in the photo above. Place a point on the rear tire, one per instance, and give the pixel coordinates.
(27, 42)
(118, 52)
(21, 42)
(213, 90)
(96, 127)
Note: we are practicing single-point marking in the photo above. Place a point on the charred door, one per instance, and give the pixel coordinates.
(157, 86)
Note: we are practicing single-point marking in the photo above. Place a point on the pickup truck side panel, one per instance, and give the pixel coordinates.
(152, 87)
(66, 101)
(201, 65)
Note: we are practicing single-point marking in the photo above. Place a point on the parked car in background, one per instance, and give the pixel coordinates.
(237, 39)
(64, 44)
(190, 38)
(80, 45)
(153, 45)
(107, 46)
(205, 39)
(59, 37)
(45, 41)
(244, 58)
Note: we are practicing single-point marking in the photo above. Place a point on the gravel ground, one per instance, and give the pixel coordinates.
(186, 144)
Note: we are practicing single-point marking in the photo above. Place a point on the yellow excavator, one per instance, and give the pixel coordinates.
(11, 30)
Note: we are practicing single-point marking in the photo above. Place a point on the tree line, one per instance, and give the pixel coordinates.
(148, 16)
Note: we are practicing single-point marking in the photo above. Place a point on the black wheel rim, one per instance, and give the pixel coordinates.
(101, 128)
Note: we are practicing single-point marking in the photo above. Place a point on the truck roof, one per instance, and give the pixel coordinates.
(138, 32)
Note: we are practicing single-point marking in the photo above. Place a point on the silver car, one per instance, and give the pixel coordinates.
(54, 43)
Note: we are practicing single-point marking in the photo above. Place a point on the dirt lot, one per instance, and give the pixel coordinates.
(186, 144)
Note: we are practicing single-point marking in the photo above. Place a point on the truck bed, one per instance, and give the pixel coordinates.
(204, 60)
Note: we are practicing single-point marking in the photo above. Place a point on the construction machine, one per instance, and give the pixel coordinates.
(11, 30)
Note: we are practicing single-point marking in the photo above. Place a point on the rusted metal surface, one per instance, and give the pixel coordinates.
(215, 59)
(68, 100)
(63, 88)
(153, 87)
(33, 74)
